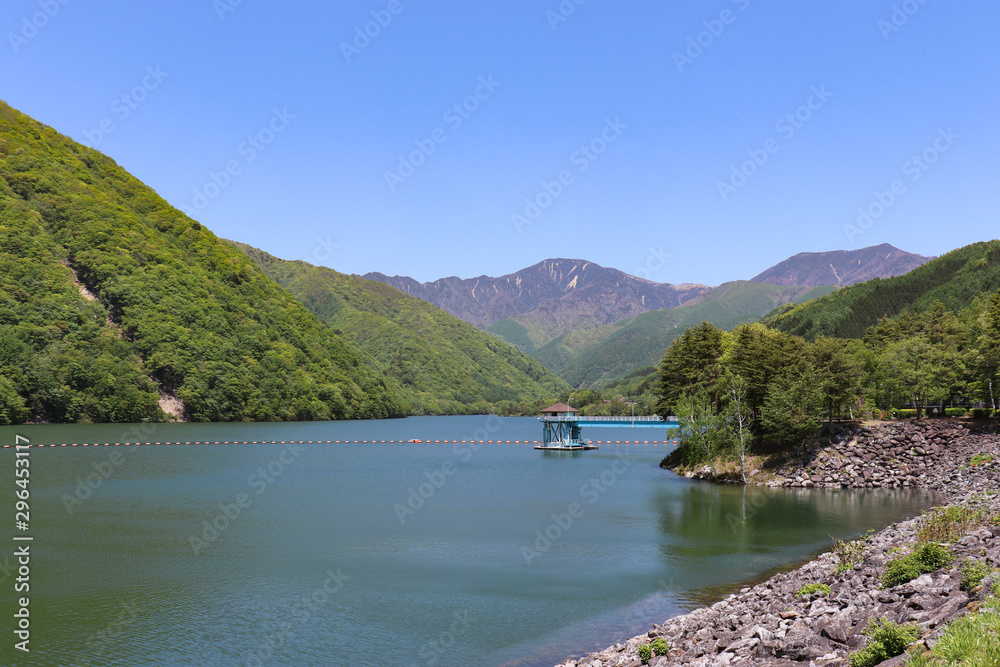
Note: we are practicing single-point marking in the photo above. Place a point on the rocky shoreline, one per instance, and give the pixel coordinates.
(771, 624)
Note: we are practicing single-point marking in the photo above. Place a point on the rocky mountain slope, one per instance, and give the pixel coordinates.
(563, 293)
(841, 267)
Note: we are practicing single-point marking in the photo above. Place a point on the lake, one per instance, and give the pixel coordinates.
(382, 554)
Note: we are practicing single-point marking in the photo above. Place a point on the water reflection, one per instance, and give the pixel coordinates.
(730, 533)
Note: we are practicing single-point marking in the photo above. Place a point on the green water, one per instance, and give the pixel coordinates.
(380, 554)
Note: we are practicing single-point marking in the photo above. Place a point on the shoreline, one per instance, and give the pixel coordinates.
(768, 623)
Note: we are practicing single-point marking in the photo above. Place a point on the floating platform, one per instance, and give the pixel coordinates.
(566, 447)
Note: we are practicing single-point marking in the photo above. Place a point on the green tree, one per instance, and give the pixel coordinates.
(792, 410)
(987, 346)
(690, 365)
(737, 418)
(924, 372)
(12, 409)
(838, 373)
(699, 430)
(760, 354)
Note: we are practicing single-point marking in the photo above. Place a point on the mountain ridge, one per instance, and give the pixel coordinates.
(444, 365)
(841, 267)
(485, 300)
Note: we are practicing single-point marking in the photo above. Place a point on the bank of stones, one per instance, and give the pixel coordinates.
(769, 624)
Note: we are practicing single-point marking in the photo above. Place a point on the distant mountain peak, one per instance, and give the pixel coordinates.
(564, 288)
(841, 267)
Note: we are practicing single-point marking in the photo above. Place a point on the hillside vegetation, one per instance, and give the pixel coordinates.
(955, 280)
(444, 365)
(110, 296)
(598, 357)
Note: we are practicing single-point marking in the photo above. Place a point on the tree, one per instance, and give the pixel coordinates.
(792, 410)
(920, 370)
(690, 365)
(699, 430)
(759, 354)
(737, 418)
(839, 374)
(988, 345)
(12, 410)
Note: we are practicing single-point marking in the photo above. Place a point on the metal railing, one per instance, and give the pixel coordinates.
(623, 418)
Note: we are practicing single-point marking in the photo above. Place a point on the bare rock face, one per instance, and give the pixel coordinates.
(769, 624)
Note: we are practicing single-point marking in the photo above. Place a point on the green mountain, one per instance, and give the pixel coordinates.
(443, 364)
(113, 303)
(954, 279)
(601, 356)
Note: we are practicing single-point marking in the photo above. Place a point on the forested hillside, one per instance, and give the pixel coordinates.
(955, 280)
(444, 365)
(110, 297)
(601, 356)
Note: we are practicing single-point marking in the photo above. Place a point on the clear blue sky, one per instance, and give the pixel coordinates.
(668, 96)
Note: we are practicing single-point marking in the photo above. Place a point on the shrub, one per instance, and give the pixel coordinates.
(932, 556)
(851, 554)
(809, 589)
(885, 640)
(906, 413)
(948, 524)
(645, 653)
(927, 557)
(973, 573)
(956, 412)
(981, 413)
(660, 646)
(900, 570)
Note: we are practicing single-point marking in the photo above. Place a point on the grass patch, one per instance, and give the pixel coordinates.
(972, 640)
(645, 653)
(809, 589)
(660, 646)
(885, 640)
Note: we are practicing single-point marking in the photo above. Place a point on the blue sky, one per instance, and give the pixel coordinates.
(684, 142)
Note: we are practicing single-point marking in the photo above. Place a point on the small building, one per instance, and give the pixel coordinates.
(560, 429)
(559, 410)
